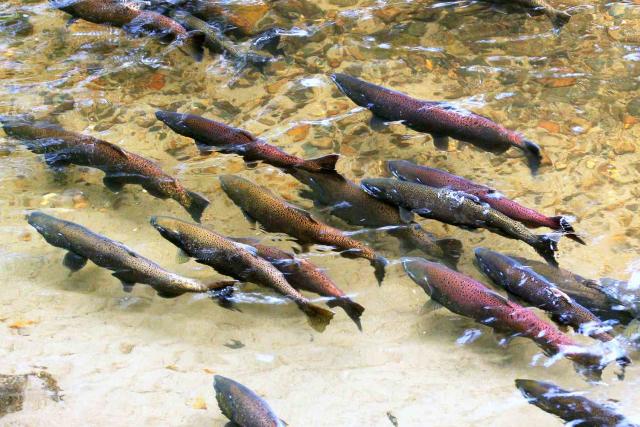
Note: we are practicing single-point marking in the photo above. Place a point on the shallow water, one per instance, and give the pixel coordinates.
(137, 359)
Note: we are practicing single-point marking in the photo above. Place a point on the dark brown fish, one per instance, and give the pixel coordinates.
(122, 14)
(303, 275)
(210, 136)
(61, 148)
(347, 201)
(572, 407)
(236, 260)
(437, 178)
(130, 268)
(440, 119)
(243, 406)
(456, 208)
(278, 216)
(557, 17)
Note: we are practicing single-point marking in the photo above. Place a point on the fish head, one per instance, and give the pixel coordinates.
(223, 387)
(380, 188)
(178, 122)
(352, 87)
(532, 390)
(236, 187)
(46, 225)
(169, 228)
(400, 168)
(422, 272)
(493, 264)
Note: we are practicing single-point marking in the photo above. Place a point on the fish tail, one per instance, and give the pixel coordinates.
(451, 251)
(559, 18)
(379, 264)
(222, 291)
(352, 308)
(196, 205)
(561, 223)
(533, 154)
(546, 246)
(318, 317)
(193, 44)
(255, 60)
(321, 164)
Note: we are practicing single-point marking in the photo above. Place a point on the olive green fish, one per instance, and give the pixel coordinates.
(242, 405)
(237, 260)
(276, 215)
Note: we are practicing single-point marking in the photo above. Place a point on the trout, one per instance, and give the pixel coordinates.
(61, 147)
(470, 298)
(303, 275)
(129, 267)
(437, 178)
(531, 287)
(557, 17)
(122, 14)
(211, 136)
(440, 119)
(347, 201)
(456, 208)
(236, 260)
(572, 407)
(275, 215)
(243, 406)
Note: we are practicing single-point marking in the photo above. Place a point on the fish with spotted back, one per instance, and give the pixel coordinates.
(440, 119)
(129, 267)
(242, 405)
(236, 260)
(61, 147)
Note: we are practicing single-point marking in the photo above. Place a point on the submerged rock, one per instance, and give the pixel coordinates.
(13, 390)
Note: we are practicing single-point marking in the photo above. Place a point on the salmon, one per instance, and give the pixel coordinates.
(243, 406)
(558, 18)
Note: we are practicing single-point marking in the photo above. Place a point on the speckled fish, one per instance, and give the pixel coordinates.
(236, 260)
(347, 201)
(61, 148)
(456, 208)
(304, 275)
(243, 406)
(533, 288)
(558, 17)
(437, 178)
(470, 298)
(210, 136)
(276, 215)
(440, 119)
(130, 268)
(572, 407)
(586, 292)
(135, 21)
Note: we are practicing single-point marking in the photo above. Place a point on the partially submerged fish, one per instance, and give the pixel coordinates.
(61, 147)
(557, 17)
(440, 119)
(135, 21)
(303, 275)
(129, 267)
(276, 215)
(236, 260)
(349, 202)
(210, 136)
(243, 406)
(522, 281)
(408, 171)
(572, 407)
(456, 208)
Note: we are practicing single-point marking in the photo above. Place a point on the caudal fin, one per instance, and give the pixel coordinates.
(451, 251)
(352, 308)
(562, 224)
(379, 265)
(532, 152)
(193, 44)
(321, 164)
(546, 246)
(222, 291)
(197, 204)
(318, 317)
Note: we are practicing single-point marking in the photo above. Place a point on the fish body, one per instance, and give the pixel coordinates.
(243, 406)
(456, 208)
(570, 406)
(129, 267)
(440, 119)
(61, 147)
(236, 260)
(558, 17)
(210, 135)
(276, 215)
(533, 288)
(347, 201)
(437, 178)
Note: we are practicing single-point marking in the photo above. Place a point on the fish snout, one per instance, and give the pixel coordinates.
(175, 121)
(166, 228)
(372, 188)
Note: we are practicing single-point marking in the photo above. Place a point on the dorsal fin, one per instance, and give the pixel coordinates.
(303, 213)
(499, 297)
(113, 147)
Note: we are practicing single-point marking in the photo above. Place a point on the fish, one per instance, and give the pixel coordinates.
(236, 260)
(304, 275)
(275, 215)
(129, 267)
(573, 407)
(243, 406)
(522, 281)
(408, 171)
(61, 148)
(469, 298)
(347, 201)
(457, 208)
(210, 135)
(558, 18)
(135, 21)
(439, 119)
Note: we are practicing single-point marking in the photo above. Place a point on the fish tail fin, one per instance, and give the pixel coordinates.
(197, 204)
(546, 246)
(561, 223)
(352, 308)
(451, 251)
(559, 18)
(193, 44)
(379, 264)
(222, 291)
(533, 154)
(256, 60)
(318, 317)
(323, 164)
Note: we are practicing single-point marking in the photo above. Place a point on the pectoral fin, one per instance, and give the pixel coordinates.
(113, 183)
(56, 159)
(73, 261)
(377, 123)
(127, 277)
(441, 142)
(405, 215)
(430, 306)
